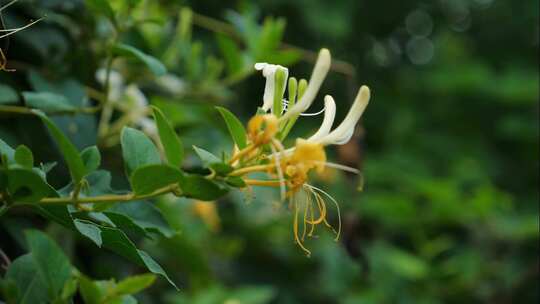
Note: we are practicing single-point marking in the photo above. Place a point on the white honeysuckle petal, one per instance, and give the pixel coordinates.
(260, 65)
(173, 84)
(322, 66)
(136, 97)
(344, 131)
(148, 126)
(116, 83)
(328, 120)
(269, 72)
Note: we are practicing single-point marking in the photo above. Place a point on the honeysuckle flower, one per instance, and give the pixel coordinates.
(289, 169)
(269, 72)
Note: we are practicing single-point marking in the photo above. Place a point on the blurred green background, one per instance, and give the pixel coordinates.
(448, 146)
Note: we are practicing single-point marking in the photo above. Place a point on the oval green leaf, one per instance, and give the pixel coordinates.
(70, 153)
(150, 178)
(138, 150)
(151, 62)
(172, 145)
(236, 128)
(24, 157)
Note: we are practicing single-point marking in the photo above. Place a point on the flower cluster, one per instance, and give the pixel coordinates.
(289, 168)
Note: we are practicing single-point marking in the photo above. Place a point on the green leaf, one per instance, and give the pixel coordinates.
(70, 153)
(172, 145)
(151, 62)
(138, 150)
(235, 181)
(284, 57)
(89, 230)
(198, 187)
(7, 95)
(69, 289)
(231, 53)
(117, 241)
(134, 284)
(5, 149)
(142, 214)
(102, 7)
(24, 157)
(222, 169)
(90, 291)
(236, 128)
(206, 157)
(48, 102)
(269, 37)
(211, 161)
(150, 178)
(9, 290)
(32, 287)
(26, 185)
(97, 292)
(52, 264)
(91, 158)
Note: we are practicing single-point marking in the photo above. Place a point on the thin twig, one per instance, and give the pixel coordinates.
(111, 198)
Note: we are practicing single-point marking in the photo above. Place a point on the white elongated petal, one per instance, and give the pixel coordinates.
(269, 72)
(322, 66)
(344, 131)
(136, 97)
(148, 126)
(116, 83)
(328, 120)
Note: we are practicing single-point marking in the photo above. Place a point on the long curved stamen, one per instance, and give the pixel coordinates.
(339, 167)
(306, 209)
(338, 233)
(322, 210)
(295, 227)
(313, 114)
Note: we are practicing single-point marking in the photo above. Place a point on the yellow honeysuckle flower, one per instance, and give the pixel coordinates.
(289, 169)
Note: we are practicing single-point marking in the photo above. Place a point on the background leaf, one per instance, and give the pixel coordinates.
(134, 284)
(137, 150)
(70, 153)
(23, 156)
(48, 102)
(151, 62)
(236, 128)
(172, 145)
(51, 262)
(31, 286)
(91, 158)
(198, 187)
(7, 95)
(149, 178)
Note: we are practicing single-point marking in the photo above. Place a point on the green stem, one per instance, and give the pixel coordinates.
(110, 198)
(28, 111)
